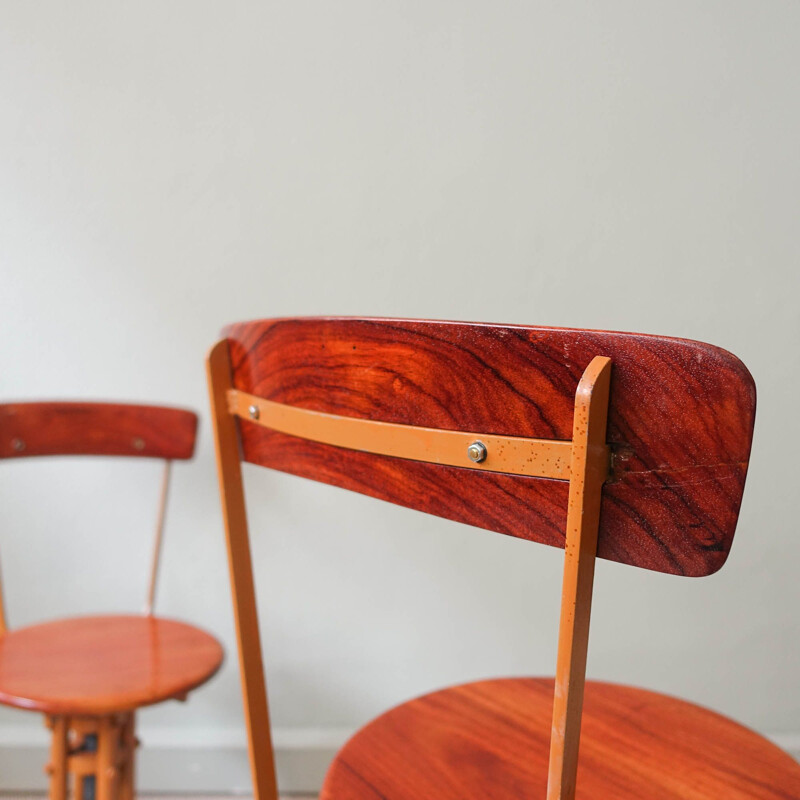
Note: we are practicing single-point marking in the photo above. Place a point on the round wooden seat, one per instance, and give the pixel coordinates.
(105, 664)
(489, 740)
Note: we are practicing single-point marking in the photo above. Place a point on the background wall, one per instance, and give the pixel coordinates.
(166, 168)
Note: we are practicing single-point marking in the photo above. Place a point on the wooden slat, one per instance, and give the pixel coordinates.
(513, 455)
(102, 429)
(680, 424)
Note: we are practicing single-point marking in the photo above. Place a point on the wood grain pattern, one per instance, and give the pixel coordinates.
(104, 664)
(680, 424)
(489, 741)
(100, 429)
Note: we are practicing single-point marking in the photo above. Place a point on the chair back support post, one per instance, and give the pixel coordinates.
(589, 468)
(159, 535)
(226, 438)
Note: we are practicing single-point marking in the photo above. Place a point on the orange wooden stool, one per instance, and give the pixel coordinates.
(88, 675)
(622, 446)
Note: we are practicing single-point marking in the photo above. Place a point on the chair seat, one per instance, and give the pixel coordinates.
(100, 665)
(489, 740)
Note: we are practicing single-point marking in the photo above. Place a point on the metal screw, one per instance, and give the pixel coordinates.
(17, 445)
(477, 452)
(254, 413)
(138, 443)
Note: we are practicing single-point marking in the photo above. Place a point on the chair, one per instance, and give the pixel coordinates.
(88, 675)
(628, 447)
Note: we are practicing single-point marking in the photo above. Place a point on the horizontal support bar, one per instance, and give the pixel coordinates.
(514, 455)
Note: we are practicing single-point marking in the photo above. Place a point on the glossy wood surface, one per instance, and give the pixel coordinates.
(489, 741)
(99, 665)
(680, 424)
(100, 429)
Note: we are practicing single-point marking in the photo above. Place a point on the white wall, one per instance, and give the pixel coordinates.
(166, 168)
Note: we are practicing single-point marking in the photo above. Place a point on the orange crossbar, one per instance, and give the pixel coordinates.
(514, 455)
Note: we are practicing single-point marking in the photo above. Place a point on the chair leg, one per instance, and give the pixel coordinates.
(57, 768)
(107, 758)
(127, 769)
(78, 789)
(82, 758)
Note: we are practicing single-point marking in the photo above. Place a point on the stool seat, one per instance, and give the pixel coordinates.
(103, 664)
(490, 740)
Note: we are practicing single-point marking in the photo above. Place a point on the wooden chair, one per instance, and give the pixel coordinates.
(88, 675)
(628, 447)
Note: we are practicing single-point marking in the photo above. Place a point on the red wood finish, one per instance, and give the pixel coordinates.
(100, 429)
(490, 740)
(680, 424)
(99, 665)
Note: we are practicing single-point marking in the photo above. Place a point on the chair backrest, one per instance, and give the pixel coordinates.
(96, 429)
(100, 429)
(502, 427)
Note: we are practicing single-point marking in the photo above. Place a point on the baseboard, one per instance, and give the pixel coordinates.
(177, 760)
(206, 761)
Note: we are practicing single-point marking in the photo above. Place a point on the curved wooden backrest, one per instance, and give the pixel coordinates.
(680, 424)
(100, 429)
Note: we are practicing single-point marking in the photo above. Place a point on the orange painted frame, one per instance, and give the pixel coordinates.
(512, 455)
(248, 636)
(589, 468)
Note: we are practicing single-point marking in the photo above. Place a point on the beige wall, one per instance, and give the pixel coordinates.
(168, 167)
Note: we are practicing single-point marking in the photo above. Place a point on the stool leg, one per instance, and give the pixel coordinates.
(127, 776)
(82, 760)
(78, 788)
(58, 757)
(107, 758)
(101, 758)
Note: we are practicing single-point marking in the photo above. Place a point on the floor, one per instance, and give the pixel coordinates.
(36, 796)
